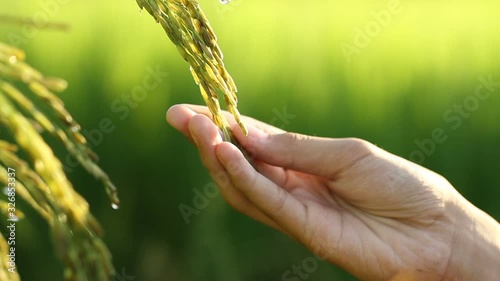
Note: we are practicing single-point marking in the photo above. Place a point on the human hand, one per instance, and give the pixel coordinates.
(374, 214)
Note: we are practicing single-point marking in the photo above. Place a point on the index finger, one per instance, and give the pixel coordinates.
(247, 120)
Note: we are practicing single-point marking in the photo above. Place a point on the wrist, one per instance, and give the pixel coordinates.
(475, 250)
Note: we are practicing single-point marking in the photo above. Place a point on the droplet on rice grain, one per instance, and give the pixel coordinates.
(224, 1)
(12, 59)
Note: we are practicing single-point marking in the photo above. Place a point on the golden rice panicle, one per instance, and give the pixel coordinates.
(188, 28)
(81, 247)
(41, 181)
(67, 130)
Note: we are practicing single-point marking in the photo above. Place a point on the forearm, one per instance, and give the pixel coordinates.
(476, 249)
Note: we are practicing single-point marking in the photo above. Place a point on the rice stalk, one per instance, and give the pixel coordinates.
(188, 28)
(35, 192)
(75, 231)
(13, 67)
(41, 181)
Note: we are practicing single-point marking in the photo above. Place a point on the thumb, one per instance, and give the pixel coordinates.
(324, 157)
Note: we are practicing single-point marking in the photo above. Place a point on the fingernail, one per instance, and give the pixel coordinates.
(227, 158)
(195, 137)
(221, 134)
(223, 155)
(256, 133)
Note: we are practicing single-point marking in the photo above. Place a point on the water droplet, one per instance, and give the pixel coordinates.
(114, 206)
(62, 218)
(224, 1)
(5, 190)
(12, 59)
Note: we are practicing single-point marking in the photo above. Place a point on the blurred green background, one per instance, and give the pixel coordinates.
(337, 68)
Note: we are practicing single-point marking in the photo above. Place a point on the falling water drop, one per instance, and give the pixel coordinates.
(224, 1)
(114, 206)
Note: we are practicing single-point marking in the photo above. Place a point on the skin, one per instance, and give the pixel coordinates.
(374, 214)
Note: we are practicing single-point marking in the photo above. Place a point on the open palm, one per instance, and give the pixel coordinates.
(374, 214)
